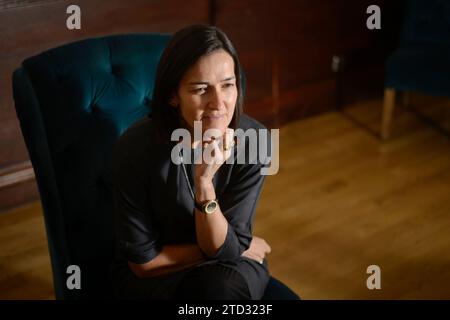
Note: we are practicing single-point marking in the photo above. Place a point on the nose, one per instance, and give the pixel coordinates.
(216, 99)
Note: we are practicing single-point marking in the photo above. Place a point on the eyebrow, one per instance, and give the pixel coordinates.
(202, 82)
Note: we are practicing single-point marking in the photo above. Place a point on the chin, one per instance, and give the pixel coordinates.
(211, 125)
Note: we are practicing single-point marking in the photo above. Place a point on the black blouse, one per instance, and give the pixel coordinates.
(154, 207)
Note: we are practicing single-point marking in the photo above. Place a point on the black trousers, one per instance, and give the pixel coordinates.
(213, 282)
(206, 282)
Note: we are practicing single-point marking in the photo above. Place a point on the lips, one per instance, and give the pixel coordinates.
(214, 116)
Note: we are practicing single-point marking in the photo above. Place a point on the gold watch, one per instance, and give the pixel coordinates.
(208, 207)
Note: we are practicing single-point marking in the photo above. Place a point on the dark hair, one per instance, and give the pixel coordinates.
(184, 49)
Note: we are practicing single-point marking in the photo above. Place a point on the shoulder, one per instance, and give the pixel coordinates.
(250, 127)
(246, 122)
(254, 141)
(136, 141)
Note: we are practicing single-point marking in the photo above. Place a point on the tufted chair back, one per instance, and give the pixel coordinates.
(73, 102)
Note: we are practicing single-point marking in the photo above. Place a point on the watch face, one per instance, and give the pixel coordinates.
(211, 207)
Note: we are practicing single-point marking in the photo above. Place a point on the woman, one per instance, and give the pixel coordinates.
(185, 230)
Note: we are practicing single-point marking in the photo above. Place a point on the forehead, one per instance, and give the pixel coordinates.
(211, 67)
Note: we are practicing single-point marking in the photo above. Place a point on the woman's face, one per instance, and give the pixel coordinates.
(208, 92)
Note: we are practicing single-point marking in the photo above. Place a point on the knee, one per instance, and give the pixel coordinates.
(217, 284)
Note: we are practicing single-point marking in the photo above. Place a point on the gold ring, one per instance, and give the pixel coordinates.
(226, 148)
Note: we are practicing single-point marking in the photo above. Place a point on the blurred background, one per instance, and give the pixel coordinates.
(363, 115)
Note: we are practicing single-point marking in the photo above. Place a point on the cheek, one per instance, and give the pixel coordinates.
(192, 107)
(231, 102)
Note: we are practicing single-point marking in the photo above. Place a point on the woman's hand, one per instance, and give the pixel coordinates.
(257, 250)
(214, 153)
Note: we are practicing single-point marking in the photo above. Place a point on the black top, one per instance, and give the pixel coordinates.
(154, 207)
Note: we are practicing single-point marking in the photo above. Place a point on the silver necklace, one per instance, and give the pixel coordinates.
(186, 176)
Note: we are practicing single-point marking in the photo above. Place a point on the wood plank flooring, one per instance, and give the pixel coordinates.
(342, 200)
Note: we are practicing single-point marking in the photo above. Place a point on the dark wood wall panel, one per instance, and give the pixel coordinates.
(285, 47)
(14, 4)
(30, 27)
(250, 26)
(306, 100)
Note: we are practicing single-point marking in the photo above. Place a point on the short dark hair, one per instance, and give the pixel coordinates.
(184, 49)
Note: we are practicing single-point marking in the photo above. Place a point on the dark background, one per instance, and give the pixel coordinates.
(285, 47)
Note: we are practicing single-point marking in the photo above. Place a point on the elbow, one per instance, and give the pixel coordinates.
(139, 274)
(224, 252)
(209, 251)
(139, 270)
(230, 249)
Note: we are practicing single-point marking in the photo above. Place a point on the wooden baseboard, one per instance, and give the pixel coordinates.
(17, 185)
(16, 173)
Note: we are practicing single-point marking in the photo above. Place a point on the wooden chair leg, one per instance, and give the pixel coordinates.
(388, 110)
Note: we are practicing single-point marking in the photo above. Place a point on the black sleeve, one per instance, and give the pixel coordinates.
(136, 237)
(238, 204)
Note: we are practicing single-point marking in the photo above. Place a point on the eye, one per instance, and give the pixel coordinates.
(228, 85)
(201, 90)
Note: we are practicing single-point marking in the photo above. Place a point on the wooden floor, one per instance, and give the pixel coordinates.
(342, 200)
(25, 271)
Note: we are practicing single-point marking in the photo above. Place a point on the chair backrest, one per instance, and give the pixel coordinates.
(73, 102)
(426, 22)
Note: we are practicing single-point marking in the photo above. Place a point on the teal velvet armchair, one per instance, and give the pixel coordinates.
(73, 102)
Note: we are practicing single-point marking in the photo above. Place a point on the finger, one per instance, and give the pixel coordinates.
(254, 256)
(228, 151)
(248, 254)
(230, 138)
(267, 247)
(212, 134)
(229, 134)
(260, 260)
(259, 256)
(209, 153)
(217, 153)
(206, 144)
